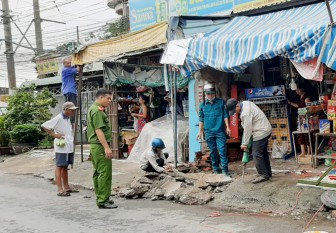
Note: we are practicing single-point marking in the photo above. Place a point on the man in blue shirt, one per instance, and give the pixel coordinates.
(69, 89)
(213, 121)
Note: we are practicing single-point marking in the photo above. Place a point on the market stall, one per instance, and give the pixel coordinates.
(301, 38)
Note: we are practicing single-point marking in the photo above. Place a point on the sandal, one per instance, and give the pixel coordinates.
(72, 191)
(64, 194)
(259, 179)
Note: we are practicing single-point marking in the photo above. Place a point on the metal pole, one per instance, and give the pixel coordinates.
(175, 116)
(329, 12)
(80, 75)
(9, 46)
(77, 38)
(38, 29)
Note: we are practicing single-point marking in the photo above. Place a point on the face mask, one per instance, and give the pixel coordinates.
(211, 100)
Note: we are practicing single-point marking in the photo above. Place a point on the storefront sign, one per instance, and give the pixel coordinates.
(265, 92)
(142, 14)
(47, 66)
(245, 5)
(146, 13)
(209, 7)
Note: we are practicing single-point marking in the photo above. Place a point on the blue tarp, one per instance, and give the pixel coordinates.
(297, 34)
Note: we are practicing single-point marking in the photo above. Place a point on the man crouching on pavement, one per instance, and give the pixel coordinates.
(60, 128)
(256, 125)
(153, 160)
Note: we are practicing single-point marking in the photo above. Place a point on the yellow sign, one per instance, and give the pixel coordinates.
(245, 5)
(47, 66)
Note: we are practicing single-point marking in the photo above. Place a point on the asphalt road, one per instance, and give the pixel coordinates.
(30, 204)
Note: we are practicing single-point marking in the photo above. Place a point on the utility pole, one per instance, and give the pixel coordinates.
(9, 46)
(38, 29)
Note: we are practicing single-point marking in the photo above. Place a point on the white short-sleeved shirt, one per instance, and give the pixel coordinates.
(61, 125)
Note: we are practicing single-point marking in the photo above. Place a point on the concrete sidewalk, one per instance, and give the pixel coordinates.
(42, 163)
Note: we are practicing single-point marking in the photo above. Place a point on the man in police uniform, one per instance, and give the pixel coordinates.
(99, 135)
(213, 121)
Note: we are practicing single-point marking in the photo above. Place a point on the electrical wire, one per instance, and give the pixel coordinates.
(63, 36)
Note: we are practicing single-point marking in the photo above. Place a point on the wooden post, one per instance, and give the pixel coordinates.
(113, 117)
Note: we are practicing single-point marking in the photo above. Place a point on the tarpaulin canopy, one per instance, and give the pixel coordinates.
(138, 75)
(132, 43)
(299, 34)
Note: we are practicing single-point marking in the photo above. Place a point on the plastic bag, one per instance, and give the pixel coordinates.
(279, 150)
(60, 142)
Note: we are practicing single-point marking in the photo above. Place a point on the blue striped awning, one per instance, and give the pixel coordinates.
(297, 34)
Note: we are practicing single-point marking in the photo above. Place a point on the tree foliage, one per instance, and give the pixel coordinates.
(26, 133)
(28, 106)
(117, 28)
(4, 135)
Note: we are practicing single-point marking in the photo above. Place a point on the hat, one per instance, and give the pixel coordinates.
(69, 105)
(209, 89)
(231, 106)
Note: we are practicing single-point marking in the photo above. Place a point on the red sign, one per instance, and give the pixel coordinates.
(234, 121)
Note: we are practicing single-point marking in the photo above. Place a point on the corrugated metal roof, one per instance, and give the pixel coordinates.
(43, 81)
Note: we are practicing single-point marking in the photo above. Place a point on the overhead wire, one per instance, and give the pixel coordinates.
(55, 37)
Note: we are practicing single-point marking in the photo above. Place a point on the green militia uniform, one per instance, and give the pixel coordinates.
(102, 167)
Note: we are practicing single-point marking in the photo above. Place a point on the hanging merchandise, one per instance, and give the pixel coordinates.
(293, 85)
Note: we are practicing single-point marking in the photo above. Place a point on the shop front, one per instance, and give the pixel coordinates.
(132, 71)
(265, 59)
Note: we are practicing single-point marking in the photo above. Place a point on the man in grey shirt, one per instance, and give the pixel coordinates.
(153, 160)
(257, 126)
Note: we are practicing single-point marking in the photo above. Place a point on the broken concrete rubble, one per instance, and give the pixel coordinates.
(192, 196)
(126, 192)
(189, 189)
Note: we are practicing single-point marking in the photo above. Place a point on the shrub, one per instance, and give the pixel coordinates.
(4, 135)
(26, 133)
(28, 106)
(46, 143)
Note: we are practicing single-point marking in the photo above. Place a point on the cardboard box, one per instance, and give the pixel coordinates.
(324, 126)
(331, 110)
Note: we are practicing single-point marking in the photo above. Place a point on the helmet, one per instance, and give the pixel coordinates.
(209, 89)
(158, 143)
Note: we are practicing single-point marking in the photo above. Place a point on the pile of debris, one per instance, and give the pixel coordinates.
(189, 189)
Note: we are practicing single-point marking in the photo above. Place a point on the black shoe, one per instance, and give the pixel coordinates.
(111, 202)
(107, 205)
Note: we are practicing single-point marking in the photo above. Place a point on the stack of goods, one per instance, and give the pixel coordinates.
(315, 106)
(129, 138)
(331, 113)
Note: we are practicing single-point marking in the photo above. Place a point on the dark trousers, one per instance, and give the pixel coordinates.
(71, 97)
(261, 157)
(159, 161)
(217, 143)
(150, 168)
